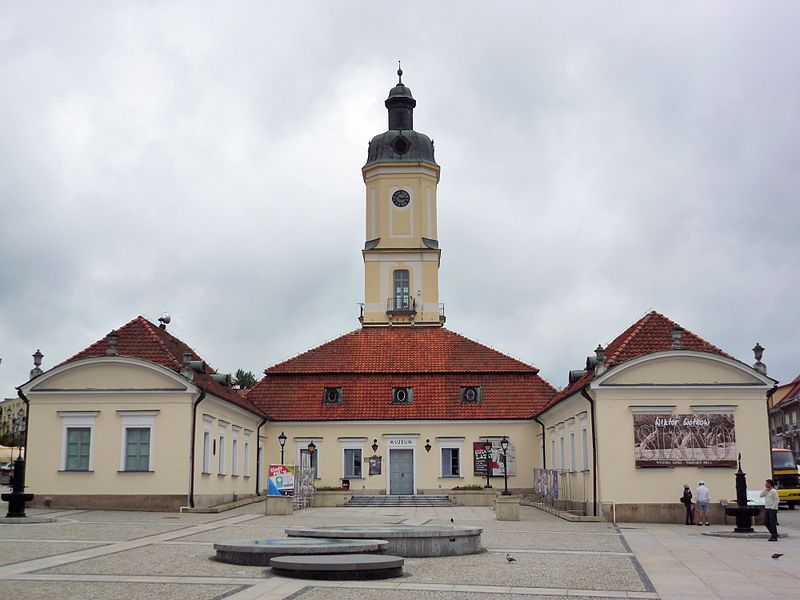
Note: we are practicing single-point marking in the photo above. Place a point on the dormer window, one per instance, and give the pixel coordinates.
(402, 395)
(332, 395)
(471, 394)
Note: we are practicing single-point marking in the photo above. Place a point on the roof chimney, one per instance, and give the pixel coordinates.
(600, 357)
(187, 370)
(37, 362)
(759, 366)
(113, 339)
(677, 332)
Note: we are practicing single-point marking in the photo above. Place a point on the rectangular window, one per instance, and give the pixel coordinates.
(552, 453)
(222, 457)
(451, 464)
(352, 462)
(572, 458)
(78, 448)
(304, 454)
(206, 452)
(137, 449)
(585, 444)
(235, 456)
(247, 456)
(561, 462)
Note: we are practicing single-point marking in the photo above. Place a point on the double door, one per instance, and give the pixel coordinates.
(401, 472)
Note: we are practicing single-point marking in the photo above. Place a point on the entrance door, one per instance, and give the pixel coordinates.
(401, 472)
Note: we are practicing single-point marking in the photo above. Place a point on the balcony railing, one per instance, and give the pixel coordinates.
(401, 305)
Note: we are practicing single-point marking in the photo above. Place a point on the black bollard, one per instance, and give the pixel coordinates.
(17, 498)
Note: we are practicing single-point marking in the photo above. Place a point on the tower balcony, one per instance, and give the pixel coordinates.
(401, 305)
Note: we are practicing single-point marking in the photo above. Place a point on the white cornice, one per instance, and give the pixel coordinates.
(399, 169)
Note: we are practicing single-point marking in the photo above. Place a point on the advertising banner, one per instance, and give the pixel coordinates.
(495, 459)
(545, 483)
(666, 440)
(281, 480)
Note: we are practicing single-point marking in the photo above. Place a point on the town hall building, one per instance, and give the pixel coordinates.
(402, 404)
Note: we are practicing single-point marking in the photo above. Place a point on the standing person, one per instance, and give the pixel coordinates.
(703, 498)
(687, 501)
(771, 502)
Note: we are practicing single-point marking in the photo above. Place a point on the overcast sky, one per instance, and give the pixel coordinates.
(599, 160)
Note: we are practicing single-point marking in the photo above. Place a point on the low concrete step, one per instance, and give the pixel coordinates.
(393, 500)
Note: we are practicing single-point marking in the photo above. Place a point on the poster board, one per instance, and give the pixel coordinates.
(667, 440)
(281, 480)
(495, 459)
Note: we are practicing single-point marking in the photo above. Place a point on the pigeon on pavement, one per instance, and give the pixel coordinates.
(777, 555)
(510, 558)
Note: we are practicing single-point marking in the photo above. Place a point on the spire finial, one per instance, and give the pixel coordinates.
(399, 73)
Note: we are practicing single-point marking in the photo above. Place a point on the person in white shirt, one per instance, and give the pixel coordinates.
(771, 502)
(703, 497)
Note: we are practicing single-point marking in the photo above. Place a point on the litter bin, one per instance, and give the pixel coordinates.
(345, 484)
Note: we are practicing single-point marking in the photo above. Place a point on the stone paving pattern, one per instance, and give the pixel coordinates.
(108, 554)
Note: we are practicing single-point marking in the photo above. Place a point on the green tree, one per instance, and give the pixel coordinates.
(246, 379)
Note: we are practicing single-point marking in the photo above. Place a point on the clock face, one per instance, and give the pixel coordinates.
(400, 198)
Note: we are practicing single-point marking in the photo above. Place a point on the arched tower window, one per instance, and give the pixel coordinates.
(402, 296)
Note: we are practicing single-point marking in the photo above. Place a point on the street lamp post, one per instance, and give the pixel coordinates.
(504, 446)
(282, 442)
(487, 448)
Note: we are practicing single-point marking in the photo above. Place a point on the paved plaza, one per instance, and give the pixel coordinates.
(106, 554)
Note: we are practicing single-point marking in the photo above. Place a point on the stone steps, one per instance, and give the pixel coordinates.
(417, 501)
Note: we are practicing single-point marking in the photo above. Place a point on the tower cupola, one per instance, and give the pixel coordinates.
(401, 105)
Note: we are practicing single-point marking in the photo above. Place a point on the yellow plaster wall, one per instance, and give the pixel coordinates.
(622, 482)
(326, 437)
(169, 444)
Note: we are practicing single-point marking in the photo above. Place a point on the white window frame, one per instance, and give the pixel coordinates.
(136, 419)
(74, 420)
(572, 451)
(451, 443)
(352, 444)
(222, 433)
(207, 423)
(301, 444)
(235, 450)
(248, 439)
(583, 423)
(552, 433)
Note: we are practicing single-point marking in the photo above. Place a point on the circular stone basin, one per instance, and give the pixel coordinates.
(404, 540)
(260, 552)
(339, 566)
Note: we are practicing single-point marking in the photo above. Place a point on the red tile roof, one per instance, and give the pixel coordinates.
(651, 333)
(401, 350)
(142, 339)
(369, 362)
(794, 392)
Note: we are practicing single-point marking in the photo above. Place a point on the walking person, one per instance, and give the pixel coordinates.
(687, 501)
(771, 502)
(703, 495)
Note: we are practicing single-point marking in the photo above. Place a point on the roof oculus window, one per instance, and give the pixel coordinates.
(471, 394)
(402, 395)
(332, 395)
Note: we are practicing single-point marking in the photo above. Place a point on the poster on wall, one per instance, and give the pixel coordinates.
(281, 480)
(374, 465)
(667, 440)
(495, 459)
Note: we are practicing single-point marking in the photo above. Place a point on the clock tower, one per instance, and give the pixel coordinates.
(401, 252)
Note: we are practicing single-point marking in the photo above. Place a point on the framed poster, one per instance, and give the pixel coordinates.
(667, 440)
(494, 460)
(375, 465)
(281, 480)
